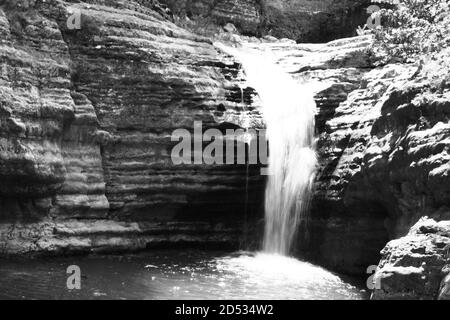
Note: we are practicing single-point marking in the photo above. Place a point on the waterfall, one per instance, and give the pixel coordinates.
(289, 113)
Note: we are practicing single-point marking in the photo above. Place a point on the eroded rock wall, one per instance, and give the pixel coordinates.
(387, 162)
(86, 123)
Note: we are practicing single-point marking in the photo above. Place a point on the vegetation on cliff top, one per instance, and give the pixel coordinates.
(412, 30)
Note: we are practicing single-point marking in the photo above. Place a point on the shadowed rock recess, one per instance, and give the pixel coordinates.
(301, 20)
(86, 118)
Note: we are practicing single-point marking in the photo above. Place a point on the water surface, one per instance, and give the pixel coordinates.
(174, 275)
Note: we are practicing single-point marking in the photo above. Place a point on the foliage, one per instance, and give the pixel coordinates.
(411, 30)
(436, 68)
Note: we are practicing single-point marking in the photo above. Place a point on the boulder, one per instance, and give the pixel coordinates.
(416, 266)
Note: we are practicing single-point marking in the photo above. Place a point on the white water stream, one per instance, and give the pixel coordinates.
(289, 113)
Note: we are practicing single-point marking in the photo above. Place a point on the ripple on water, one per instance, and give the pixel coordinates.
(175, 275)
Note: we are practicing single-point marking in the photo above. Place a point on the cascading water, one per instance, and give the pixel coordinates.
(289, 112)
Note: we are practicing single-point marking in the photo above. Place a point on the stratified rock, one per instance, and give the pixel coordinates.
(417, 265)
(86, 122)
(384, 155)
(68, 236)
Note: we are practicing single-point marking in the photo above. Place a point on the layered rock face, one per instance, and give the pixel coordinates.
(386, 164)
(86, 122)
(301, 20)
(416, 266)
(414, 178)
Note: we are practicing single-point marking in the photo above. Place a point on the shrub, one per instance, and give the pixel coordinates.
(411, 30)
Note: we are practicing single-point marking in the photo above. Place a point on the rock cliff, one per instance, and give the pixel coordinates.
(385, 163)
(86, 121)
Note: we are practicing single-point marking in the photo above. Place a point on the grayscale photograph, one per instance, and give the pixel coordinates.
(220, 158)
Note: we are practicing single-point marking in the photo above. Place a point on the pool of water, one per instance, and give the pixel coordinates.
(174, 275)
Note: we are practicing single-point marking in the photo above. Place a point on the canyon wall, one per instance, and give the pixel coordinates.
(384, 159)
(86, 122)
(85, 139)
